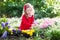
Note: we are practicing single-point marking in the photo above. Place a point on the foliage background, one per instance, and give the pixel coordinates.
(43, 8)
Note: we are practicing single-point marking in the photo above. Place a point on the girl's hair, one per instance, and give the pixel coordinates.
(28, 5)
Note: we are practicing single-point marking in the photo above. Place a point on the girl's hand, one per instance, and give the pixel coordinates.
(33, 25)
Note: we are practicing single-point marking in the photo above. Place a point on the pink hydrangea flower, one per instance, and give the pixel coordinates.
(46, 23)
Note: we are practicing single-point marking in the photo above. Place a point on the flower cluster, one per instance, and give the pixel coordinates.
(28, 32)
(5, 27)
(47, 23)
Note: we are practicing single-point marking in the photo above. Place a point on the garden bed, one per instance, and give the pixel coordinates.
(45, 29)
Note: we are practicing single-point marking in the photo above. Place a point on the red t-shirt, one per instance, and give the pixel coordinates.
(26, 23)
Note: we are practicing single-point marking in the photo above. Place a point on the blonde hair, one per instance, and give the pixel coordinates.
(27, 6)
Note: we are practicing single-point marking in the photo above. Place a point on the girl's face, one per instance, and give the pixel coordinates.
(29, 12)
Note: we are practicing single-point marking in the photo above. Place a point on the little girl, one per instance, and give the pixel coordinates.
(27, 17)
